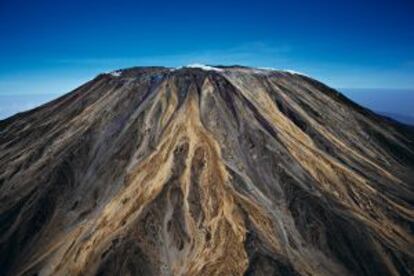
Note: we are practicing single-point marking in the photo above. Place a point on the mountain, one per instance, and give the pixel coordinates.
(205, 171)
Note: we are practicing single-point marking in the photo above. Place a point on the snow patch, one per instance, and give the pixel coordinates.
(116, 73)
(295, 73)
(268, 68)
(204, 67)
(286, 70)
(264, 70)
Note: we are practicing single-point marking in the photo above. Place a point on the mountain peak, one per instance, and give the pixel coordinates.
(216, 68)
(205, 170)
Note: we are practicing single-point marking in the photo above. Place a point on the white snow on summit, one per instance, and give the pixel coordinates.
(116, 73)
(268, 68)
(295, 73)
(204, 67)
(286, 70)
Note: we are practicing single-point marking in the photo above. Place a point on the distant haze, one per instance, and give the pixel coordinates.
(395, 103)
(11, 104)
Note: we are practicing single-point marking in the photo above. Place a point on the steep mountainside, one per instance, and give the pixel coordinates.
(205, 171)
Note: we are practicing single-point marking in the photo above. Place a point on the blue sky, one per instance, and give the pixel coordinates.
(51, 47)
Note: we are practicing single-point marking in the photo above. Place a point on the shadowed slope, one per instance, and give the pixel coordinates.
(205, 171)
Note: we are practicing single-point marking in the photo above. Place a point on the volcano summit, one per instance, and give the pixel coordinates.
(205, 170)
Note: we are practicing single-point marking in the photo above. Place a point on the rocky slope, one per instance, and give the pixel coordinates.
(205, 171)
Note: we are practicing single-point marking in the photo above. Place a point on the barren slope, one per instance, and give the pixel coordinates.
(205, 171)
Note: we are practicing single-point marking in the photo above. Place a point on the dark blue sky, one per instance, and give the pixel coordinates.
(53, 46)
